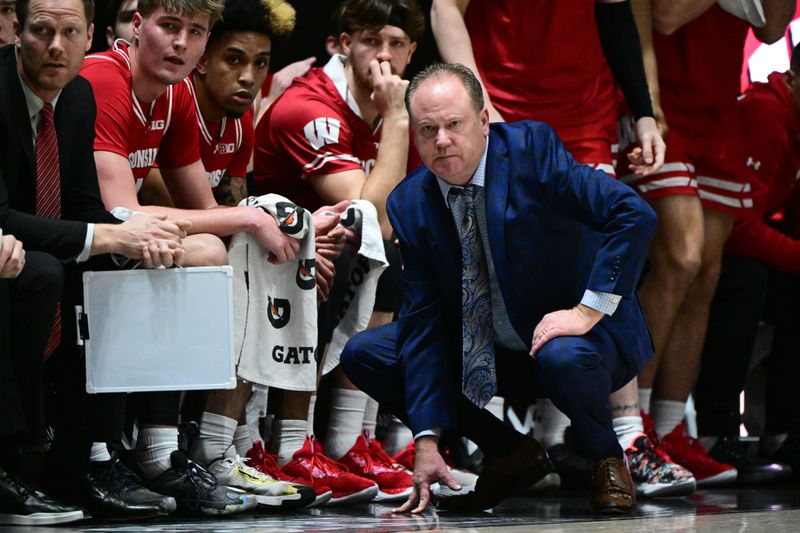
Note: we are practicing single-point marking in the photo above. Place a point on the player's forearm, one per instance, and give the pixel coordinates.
(219, 221)
(389, 170)
(643, 14)
(452, 37)
(670, 15)
(778, 14)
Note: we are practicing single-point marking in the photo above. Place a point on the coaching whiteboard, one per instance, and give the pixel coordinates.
(156, 330)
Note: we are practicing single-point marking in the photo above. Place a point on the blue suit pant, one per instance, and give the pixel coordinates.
(576, 373)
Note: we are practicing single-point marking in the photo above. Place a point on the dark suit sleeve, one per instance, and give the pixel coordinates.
(626, 222)
(61, 238)
(421, 339)
(81, 193)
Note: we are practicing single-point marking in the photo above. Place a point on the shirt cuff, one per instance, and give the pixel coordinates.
(87, 244)
(433, 432)
(605, 302)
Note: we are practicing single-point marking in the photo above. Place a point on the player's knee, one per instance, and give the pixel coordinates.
(204, 250)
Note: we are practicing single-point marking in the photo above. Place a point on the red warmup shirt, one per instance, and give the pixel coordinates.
(312, 131)
(699, 68)
(225, 145)
(163, 131)
(771, 125)
(542, 60)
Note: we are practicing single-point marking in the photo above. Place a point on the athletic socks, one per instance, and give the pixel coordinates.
(370, 418)
(644, 399)
(216, 436)
(288, 436)
(666, 415)
(345, 422)
(99, 452)
(397, 437)
(627, 429)
(242, 440)
(153, 449)
(550, 424)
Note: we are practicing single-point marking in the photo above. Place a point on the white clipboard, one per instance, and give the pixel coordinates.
(158, 330)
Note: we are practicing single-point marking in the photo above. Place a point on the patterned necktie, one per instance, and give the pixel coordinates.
(478, 379)
(48, 195)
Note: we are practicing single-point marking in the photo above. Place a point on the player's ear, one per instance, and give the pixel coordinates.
(202, 65)
(136, 25)
(89, 33)
(345, 41)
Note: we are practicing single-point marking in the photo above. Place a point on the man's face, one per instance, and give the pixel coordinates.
(234, 68)
(168, 44)
(391, 44)
(8, 16)
(123, 23)
(450, 135)
(52, 44)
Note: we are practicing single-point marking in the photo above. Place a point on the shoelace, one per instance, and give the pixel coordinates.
(202, 482)
(652, 459)
(249, 470)
(268, 461)
(614, 482)
(326, 464)
(119, 477)
(18, 485)
(376, 450)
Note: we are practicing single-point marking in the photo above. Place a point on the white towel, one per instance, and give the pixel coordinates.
(275, 306)
(362, 279)
(748, 10)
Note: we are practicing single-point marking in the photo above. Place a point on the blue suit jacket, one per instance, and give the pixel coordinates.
(556, 228)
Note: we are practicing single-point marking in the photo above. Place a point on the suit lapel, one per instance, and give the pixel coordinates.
(443, 236)
(497, 182)
(14, 102)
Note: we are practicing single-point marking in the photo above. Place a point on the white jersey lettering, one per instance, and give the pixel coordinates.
(322, 131)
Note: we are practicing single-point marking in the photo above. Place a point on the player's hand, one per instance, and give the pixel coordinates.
(12, 257)
(139, 231)
(649, 155)
(429, 467)
(325, 273)
(281, 247)
(284, 77)
(565, 323)
(388, 90)
(157, 254)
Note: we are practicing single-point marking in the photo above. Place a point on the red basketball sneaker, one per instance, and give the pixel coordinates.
(368, 459)
(689, 453)
(311, 466)
(265, 463)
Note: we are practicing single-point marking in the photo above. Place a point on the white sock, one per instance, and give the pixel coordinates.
(346, 419)
(495, 406)
(550, 424)
(153, 449)
(216, 436)
(397, 437)
(644, 399)
(312, 405)
(370, 418)
(242, 440)
(627, 428)
(288, 436)
(99, 452)
(666, 415)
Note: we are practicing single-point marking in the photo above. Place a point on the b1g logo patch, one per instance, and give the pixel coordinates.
(306, 274)
(290, 217)
(279, 312)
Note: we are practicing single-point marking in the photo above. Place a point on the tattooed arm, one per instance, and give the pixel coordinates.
(231, 190)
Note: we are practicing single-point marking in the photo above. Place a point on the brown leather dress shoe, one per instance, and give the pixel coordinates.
(612, 486)
(501, 477)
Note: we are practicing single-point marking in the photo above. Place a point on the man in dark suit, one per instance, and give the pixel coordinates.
(553, 313)
(44, 105)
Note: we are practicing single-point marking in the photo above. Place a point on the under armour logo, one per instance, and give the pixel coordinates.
(754, 164)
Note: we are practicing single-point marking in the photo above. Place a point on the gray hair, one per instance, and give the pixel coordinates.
(440, 70)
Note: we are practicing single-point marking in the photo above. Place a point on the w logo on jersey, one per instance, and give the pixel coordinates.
(322, 131)
(279, 312)
(290, 217)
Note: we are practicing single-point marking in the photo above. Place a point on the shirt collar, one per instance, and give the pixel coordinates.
(34, 103)
(334, 68)
(478, 178)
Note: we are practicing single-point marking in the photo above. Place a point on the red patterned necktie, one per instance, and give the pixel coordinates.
(48, 194)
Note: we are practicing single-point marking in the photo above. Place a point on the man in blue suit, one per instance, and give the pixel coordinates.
(520, 270)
